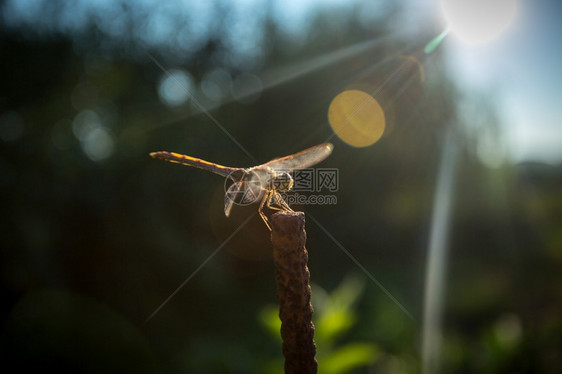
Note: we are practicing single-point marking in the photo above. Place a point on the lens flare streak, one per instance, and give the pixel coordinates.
(435, 42)
(436, 264)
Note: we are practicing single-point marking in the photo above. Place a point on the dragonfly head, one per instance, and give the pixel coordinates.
(283, 182)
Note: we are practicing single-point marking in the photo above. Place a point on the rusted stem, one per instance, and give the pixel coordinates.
(293, 288)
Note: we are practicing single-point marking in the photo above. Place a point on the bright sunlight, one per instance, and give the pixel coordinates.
(478, 21)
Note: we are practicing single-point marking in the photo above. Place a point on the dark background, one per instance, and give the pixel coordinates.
(92, 243)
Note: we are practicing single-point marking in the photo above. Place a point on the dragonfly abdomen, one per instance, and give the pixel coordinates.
(178, 158)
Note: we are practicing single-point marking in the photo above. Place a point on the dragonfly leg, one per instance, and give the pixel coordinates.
(272, 197)
(282, 202)
(276, 199)
(265, 202)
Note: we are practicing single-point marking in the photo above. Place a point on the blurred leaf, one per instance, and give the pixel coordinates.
(348, 291)
(349, 357)
(332, 323)
(269, 318)
(333, 316)
(334, 311)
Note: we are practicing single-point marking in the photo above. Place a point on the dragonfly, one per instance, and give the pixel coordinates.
(262, 183)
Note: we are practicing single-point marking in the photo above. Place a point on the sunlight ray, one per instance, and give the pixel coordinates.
(437, 256)
(363, 269)
(372, 95)
(203, 109)
(198, 268)
(277, 76)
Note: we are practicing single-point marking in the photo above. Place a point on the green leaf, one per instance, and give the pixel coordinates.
(347, 293)
(333, 323)
(269, 318)
(349, 357)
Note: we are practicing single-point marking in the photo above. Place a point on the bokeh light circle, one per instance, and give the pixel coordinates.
(357, 118)
(175, 87)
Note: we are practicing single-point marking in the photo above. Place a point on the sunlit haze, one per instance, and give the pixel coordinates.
(519, 73)
(478, 21)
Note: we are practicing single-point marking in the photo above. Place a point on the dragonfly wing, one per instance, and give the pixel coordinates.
(230, 196)
(302, 159)
(244, 192)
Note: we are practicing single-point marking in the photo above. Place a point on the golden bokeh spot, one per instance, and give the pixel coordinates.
(357, 118)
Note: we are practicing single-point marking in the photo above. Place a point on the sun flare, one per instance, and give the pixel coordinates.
(478, 21)
(357, 118)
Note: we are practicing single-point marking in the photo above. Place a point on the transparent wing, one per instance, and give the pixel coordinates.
(230, 196)
(244, 192)
(302, 159)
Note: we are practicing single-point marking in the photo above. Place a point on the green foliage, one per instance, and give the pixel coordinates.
(269, 319)
(335, 313)
(349, 357)
(334, 316)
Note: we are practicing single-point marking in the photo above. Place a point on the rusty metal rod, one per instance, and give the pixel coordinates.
(288, 237)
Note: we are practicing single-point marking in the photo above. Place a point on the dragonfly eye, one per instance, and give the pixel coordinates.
(283, 182)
